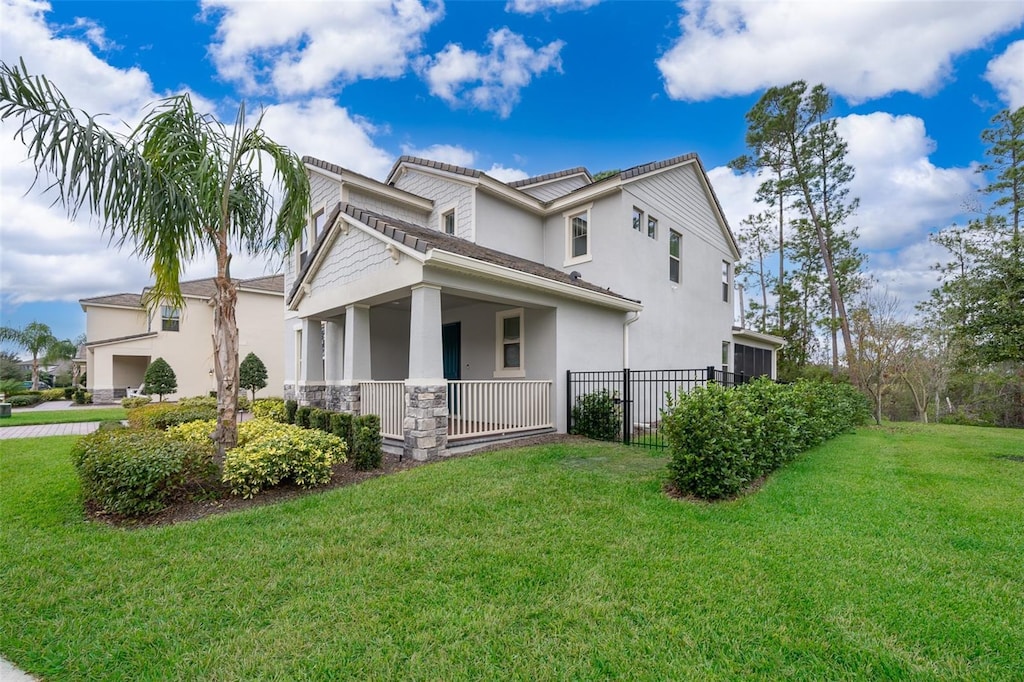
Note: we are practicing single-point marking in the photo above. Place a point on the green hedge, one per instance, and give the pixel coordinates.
(162, 415)
(135, 472)
(367, 450)
(723, 439)
(597, 415)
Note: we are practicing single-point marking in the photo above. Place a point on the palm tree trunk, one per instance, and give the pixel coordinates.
(225, 364)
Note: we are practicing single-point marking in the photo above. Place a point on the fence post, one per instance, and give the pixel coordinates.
(711, 374)
(627, 404)
(568, 401)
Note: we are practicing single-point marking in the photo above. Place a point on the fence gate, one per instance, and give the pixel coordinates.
(639, 397)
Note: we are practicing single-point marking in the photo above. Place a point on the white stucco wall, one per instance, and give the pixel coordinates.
(508, 228)
(110, 323)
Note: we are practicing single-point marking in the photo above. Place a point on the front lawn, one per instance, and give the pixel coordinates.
(85, 414)
(891, 553)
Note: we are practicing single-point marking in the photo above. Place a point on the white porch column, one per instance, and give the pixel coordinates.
(334, 348)
(425, 361)
(357, 343)
(312, 353)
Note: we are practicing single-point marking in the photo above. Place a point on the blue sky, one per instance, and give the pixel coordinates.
(521, 88)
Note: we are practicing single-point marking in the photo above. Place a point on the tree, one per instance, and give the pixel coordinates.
(10, 367)
(64, 351)
(159, 379)
(881, 341)
(36, 338)
(252, 374)
(181, 184)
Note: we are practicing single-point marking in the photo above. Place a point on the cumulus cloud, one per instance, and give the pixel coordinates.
(1006, 74)
(860, 50)
(499, 172)
(490, 81)
(297, 48)
(535, 6)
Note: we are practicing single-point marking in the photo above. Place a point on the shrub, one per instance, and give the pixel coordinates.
(272, 452)
(69, 393)
(52, 394)
(367, 452)
(163, 415)
(341, 426)
(252, 374)
(723, 439)
(24, 400)
(108, 424)
(137, 401)
(243, 402)
(199, 401)
(198, 432)
(290, 408)
(302, 415)
(159, 379)
(270, 408)
(596, 415)
(137, 472)
(11, 387)
(320, 419)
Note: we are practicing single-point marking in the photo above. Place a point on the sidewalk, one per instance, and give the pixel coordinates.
(8, 673)
(38, 430)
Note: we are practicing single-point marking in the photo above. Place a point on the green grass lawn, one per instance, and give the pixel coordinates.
(97, 414)
(892, 553)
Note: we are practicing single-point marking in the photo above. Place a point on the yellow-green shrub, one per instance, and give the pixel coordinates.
(196, 433)
(164, 415)
(270, 408)
(270, 452)
(52, 394)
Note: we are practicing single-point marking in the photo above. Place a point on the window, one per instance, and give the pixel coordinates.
(577, 236)
(170, 319)
(298, 356)
(752, 362)
(319, 221)
(638, 219)
(448, 222)
(509, 347)
(674, 242)
(725, 281)
(725, 356)
(652, 227)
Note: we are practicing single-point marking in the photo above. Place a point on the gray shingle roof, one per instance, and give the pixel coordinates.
(447, 167)
(203, 288)
(551, 176)
(423, 239)
(118, 339)
(120, 300)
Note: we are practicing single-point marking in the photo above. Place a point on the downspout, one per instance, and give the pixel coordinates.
(625, 338)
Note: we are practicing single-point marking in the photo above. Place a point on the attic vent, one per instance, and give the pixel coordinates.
(575, 275)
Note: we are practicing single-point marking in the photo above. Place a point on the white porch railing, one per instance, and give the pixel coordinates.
(480, 408)
(387, 400)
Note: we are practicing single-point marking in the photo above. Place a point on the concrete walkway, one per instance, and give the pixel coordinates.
(38, 430)
(8, 673)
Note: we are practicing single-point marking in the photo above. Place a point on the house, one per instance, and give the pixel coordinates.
(452, 304)
(123, 337)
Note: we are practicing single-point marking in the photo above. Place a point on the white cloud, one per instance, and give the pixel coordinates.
(860, 50)
(1006, 74)
(499, 172)
(445, 153)
(301, 47)
(499, 74)
(535, 6)
(94, 33)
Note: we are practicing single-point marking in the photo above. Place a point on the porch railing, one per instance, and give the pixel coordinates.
(481, 408)
(387, 400)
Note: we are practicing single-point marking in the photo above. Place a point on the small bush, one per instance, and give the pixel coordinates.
(341, 426)
(367, 452)
(199, 401)
(302, 416)
(11, 387)
(69, 393)
(52, 394)
(198, 432)
(108, 424)
(82, 397)
(159, 379)
(24, 400)
(596, 415)
(137, 401)
(320, 419)
(243, 402)
(270, 408)
(163, 415)
(272, 453)
(290, 408)
(137, 472)
(964, 419)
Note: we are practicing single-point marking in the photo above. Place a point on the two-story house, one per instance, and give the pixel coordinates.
(452, 304)
(123, 337)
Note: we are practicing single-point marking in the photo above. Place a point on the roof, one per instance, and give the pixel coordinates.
(436, 165)
(202, 288)
(525, 182)
(423, 239)
(119, 300)
(118, 339)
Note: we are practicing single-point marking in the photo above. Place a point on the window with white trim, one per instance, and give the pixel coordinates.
(652, 227)
(674, 249)
(319, 223)
(510, 344)
(448, 222)
(726, 266)
(638, 219)
(170, 318)
(577, 236)
(298, 355)
(725, 356)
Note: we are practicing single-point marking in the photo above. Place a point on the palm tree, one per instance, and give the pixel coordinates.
(64, 351)
(179, 185)
(36, 338)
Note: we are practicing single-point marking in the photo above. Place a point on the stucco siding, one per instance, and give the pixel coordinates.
(507, 228)
(111, 323)
(447, 195)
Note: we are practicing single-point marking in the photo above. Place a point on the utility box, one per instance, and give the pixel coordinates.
(5, 410)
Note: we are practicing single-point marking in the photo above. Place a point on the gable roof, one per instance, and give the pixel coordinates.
(424, 240)
(117, 300)
(196, 288)
(569, 172)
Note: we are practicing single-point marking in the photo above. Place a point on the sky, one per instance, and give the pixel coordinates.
(516, 89)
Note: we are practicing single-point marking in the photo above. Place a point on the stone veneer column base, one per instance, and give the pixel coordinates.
(102, 396)
(312, 395)
(426, 421)
(343, 398)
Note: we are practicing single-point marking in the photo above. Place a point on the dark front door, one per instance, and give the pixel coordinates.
(451, 350)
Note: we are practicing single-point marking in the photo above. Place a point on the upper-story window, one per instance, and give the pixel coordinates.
(652, 227)
(170, 318)
(448, 222)
(726, 266)
(319, 222)
(674, 249)
(577, 236)
(638, 219)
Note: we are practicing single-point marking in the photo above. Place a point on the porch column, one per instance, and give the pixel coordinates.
(334, 347)
(310, 388)
(357, 343)
(426, 391)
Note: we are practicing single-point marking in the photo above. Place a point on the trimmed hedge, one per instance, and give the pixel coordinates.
(137, 401)
(597, 415)
(367, 452)
(341, 426)
(290, 408)
(162, 415)
(136, 472)
(722, 439)
(24, 400)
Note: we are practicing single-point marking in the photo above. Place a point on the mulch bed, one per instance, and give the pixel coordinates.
(344, 474)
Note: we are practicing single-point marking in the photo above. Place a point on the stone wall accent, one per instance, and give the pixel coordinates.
(313, 395)
(103, 396)
(343, 398)
(426, 421)
(289, 392)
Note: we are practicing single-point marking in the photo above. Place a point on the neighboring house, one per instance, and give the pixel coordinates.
(123, 338)
(452, 304)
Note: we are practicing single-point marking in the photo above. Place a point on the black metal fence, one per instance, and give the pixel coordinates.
(640, 396)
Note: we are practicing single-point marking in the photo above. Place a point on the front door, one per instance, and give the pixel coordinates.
(451, 350)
